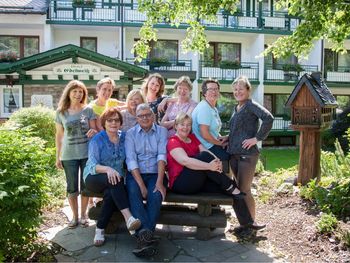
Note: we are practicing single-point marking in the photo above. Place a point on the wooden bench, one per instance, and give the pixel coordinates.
(201, 210)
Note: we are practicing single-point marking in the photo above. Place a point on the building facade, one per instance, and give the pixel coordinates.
(110, 28)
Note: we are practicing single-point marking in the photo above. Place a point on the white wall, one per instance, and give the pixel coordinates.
(107, 38)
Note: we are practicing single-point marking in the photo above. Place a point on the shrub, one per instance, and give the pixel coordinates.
(332, 193)
(339, 128)
(327, 223)
(41, 121)
(23, 192)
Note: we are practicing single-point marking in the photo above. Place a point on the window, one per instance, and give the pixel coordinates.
(218, 52)
(23, 46)
(275, 104)
(89, 43)
(11, 99)
(167, 49)
(336, 62)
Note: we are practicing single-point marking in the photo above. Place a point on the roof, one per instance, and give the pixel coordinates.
(70, 51)
(317, 88)
(24, 6)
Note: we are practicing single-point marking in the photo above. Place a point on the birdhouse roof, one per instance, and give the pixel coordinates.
(317, 88)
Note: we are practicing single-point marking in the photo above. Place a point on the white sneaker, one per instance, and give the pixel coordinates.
(133, 223)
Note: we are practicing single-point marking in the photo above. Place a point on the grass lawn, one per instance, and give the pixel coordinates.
(279, 158)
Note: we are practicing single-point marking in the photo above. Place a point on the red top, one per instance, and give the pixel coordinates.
(191, 148)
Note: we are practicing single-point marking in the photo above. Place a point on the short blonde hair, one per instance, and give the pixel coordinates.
(105, 81)
(132, 93)
(243, 80)
(181, 117)
(183, 80)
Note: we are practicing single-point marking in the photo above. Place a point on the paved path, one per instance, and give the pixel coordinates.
(177, 244)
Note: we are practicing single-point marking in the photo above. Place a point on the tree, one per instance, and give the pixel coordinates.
(177, 12)
(321, 19)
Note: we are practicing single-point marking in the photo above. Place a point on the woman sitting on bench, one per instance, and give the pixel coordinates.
(104, 173)
(191, 167)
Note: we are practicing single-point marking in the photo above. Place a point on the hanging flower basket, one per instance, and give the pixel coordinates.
(8, 56)
(84, 3)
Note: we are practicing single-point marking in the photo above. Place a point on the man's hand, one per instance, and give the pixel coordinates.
(144, 191)
(161, 188)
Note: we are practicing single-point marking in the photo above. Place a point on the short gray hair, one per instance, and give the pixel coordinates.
(143, 106)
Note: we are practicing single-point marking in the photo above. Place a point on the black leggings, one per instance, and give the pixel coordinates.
(114, 196)
(193, 181)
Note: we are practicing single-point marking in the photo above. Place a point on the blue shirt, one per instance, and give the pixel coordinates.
(145, 149)
(203, 113)
(103, 152)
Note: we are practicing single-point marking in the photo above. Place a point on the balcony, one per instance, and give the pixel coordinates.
(209, 70)
(339, 74)
(281, 73)
(114, 13)
(168, 68)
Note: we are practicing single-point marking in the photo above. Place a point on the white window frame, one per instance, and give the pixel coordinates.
(4, 113)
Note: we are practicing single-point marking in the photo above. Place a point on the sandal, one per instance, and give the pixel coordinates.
(73, 223)
(133, 223)
(84, 222)
(99, 238)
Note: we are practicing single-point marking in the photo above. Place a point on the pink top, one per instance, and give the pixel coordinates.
(176, 108)
(191, 148)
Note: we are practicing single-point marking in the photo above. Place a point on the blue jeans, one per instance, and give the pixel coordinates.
(148, 213)
(74, 177)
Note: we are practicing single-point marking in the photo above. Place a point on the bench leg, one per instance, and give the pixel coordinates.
(203, 233)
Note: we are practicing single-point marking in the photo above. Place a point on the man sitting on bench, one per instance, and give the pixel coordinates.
(145, 147)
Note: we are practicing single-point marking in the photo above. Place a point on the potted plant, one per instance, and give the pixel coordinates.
(229, 64)
(83, 3)
(291, 71)
(8, 56)
(158, 62)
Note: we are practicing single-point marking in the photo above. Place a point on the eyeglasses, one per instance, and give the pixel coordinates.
(113, 120)
(144, 116)
(213, 89)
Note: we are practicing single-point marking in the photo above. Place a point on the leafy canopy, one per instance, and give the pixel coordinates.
(177, 12)
(321, 19)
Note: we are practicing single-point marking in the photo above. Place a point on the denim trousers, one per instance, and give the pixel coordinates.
(73, 170)
(114, 196)
(149, 212)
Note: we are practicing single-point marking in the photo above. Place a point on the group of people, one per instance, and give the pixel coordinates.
(163, 142)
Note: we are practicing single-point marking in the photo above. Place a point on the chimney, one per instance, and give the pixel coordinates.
(317, 76)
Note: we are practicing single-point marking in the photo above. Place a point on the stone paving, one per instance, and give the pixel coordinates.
(177, 244)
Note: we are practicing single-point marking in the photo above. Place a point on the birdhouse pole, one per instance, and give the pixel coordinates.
(312, 110)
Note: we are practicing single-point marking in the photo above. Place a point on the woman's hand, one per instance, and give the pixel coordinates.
(59, 164)
(216, 165)
(113, 176)
(162, 105)
(91, 133)
(248, 143)
(223, 141)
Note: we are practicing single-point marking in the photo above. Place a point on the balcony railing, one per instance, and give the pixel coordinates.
(113, 12)
(275, 72)
(209, 70)
(339, 74)
(170, 65)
